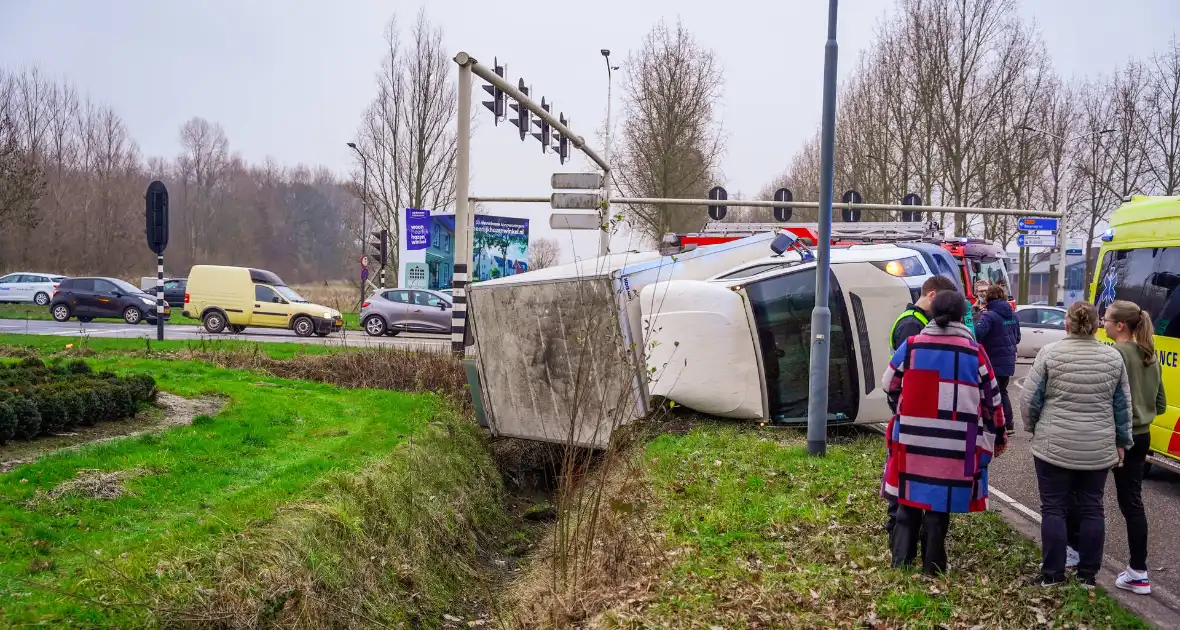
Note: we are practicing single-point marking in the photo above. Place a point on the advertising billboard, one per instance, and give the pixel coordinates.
(500, 247)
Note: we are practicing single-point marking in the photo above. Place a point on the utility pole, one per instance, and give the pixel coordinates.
(821, 315)
(604, 237)
(364, 208)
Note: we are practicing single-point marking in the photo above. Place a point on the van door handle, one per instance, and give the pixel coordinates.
(257, 306)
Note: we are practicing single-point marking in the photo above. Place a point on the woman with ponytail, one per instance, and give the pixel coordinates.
(1129, 327)
(947, 427)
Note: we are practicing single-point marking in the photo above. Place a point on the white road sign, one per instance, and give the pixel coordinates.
(1036, 240)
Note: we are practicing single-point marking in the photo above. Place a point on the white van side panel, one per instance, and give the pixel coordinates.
(701, 352)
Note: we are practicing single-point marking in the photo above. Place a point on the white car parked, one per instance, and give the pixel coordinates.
(37, 288)
(1039, 326)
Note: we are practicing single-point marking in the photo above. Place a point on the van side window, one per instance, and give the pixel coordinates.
(782, 316)
(1166, 283)
(1126, 275)
(263, 293)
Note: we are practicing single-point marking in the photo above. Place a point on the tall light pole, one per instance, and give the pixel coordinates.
(364, 206)
(1061, 233)
(604, 226)
(821, 315)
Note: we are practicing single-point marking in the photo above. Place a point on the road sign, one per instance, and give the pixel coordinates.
(156, 213)
(574, 221)
(365, 262)
(575, 201)
(1037, 225)
(718, 212)
(1036, 240)
(364, 273)
(783, 213)
(576, 181)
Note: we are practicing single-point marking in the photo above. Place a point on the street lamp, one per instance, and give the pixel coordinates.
(1062, 246)
(364, 205)
(604, 223)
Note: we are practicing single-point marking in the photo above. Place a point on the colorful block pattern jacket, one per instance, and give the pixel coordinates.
(947, 424)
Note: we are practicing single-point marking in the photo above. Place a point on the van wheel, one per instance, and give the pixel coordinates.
(214, 322)
(61, 313)
(303, 326)
(374, 326)
(236, 328)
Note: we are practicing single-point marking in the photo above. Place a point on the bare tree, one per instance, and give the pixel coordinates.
(408, 133)
(1161, 119)
(543, 252)
(671, 142)
(21, 180)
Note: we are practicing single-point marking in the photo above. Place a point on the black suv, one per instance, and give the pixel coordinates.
(90, 298)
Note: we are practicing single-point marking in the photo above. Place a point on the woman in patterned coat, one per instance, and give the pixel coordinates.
(948, 425)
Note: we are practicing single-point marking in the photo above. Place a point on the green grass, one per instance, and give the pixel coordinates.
(52, 344)
(205, 483)
(762, 535)
(41, 313)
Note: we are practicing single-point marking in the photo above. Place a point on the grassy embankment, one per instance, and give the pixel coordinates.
(725, 528)
(299, 500)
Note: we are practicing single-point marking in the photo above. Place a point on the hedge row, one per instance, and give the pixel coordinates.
(36, 399)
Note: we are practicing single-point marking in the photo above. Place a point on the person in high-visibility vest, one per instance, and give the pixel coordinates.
(911, 322)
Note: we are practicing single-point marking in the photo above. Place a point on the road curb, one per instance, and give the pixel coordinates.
(1160, 609)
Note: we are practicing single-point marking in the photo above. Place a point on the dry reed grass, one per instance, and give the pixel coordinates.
(341, 296)
(97, 484)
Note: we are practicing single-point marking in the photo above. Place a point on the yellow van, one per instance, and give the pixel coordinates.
(1140, 261)
(236, 297)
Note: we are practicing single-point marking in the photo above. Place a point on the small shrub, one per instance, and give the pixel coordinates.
(55, 416)
(28, 418)
(107, 375)
(143, 388)
(75, 402)
(96, 406)
(119, 402)
(7, 421)
(78, 366)
(31, 363)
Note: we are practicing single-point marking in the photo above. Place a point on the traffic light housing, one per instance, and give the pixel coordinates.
(543, 134)
(851, 215)
(380, 248)
(911, 199)
(563, 143)
(497, 102)
(522, 113)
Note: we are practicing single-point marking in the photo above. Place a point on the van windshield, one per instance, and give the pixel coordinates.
(289, 293)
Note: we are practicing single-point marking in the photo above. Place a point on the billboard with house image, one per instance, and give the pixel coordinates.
(500, 247)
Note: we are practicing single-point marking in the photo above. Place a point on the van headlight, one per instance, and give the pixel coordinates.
(328, 315)
(902, 267)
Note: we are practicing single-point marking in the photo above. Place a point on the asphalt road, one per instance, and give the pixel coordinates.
(120, 330)
(1012, 474)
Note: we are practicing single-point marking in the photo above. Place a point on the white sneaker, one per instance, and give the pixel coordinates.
(1071, 558)
(1134, 581)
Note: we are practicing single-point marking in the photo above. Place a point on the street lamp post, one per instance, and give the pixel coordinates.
(604, 224)
(364, 206)
(1062, 236)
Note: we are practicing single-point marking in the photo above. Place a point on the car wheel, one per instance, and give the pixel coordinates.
(214, 322)
(375, 326)
(85, 320)
(61, 313)
(41, 299)
(132, 315)
(236, 328)
(303, 326)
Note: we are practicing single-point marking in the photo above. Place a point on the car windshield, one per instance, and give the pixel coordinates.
(289, 293)
(125, 287)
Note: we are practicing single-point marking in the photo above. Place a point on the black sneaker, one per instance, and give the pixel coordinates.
(1088, 583)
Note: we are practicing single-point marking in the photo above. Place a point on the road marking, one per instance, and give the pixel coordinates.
(1022, 508)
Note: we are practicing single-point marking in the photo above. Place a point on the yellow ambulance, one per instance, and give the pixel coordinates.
(1139, 261)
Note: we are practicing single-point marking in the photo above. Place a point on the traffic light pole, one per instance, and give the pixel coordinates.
(462, 259)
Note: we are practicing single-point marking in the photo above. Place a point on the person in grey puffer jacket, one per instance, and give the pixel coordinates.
(1077, 405)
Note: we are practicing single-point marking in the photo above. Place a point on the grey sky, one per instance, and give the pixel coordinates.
(290, 78)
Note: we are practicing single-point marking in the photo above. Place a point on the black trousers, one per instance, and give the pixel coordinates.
(916, 525)
(1058, 486)
(1128, 484)
(1006, 403)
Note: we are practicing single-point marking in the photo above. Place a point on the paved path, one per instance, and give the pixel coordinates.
(175, 332)
(1014, 484)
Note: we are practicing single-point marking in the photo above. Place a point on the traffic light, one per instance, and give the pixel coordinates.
(851, 197)
(522, 113)
(380, 247)
(543, 134)
(497, 102)
(563, 143)
(717, 193)
(910, 215)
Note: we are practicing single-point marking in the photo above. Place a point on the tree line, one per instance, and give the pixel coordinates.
(72, 182)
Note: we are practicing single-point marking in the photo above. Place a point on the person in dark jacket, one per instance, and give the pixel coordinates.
(915, 316)
(998, 331)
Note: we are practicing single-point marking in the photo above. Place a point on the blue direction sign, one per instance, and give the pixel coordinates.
(1037, 225)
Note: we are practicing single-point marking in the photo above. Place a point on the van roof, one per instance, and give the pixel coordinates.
(840, 255)
(1147, 218)
(260, 276)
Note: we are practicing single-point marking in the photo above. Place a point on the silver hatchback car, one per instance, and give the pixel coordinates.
(391, 311)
